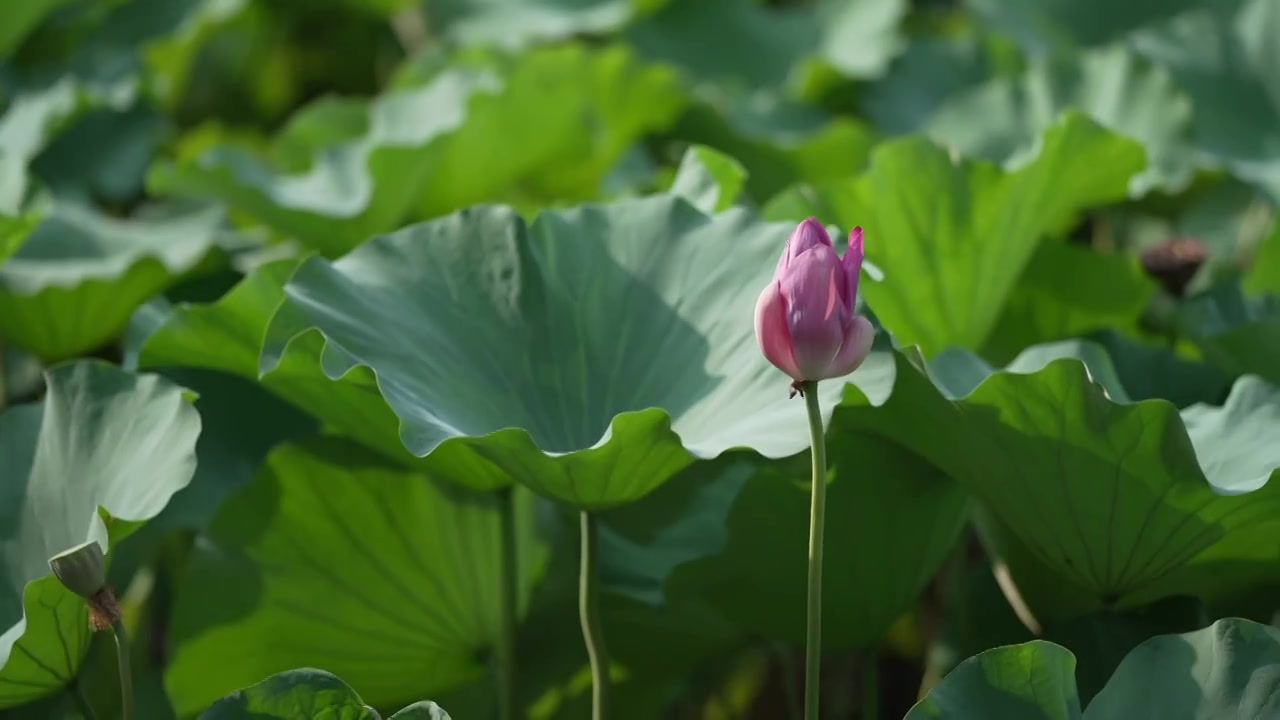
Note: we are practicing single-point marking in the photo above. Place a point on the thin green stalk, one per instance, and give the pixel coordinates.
(126, 673)
(589, 614)
(510, 582)
(817, 513)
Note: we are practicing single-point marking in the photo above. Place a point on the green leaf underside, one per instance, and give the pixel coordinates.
(74, 281)
(953, 237)
(303, 693)
(1126, 502)
(492, 130)
(1032, 681)
(1225, 670)
(103, 438)
(335, 558)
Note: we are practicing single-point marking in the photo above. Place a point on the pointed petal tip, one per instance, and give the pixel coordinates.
(812, 230)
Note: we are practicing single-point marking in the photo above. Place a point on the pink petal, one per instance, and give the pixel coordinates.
(852, 263)
(815, 313)
(771, 330)
(807, 235)
(857, 344)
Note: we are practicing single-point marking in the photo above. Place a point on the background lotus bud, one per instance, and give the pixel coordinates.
(805, 321)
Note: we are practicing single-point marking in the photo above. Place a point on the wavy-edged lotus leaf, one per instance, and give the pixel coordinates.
(1130, 501)
(336, 557)
(953, 236)
(1150, 369)
(1044, 27)
(739, 42)
(710, 180)
(227, 336)
(1235, 95)
(1228, 669)
(305, 692)
(510, 128)
(1015, 112)
(1125, 502)
(18, 19)
(72, 284)
(1065, 292)
(1240, 333)
(103, 452)
(515, 24)
(310, 693)
(1225, 670)
(590, 355)
(928, 73)
(778, 143)
(34, 118)
(1030, 681)
(735, 538)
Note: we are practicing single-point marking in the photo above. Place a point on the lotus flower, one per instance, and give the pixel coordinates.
(805, 322)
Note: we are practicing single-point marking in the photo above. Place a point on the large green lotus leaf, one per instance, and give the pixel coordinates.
(292, 694)
(1264, 272)
(1031, 681)
(709, 180)
(737, 538)
(549, 125)
(227, 336)
(518, 23)
(333, 557)
(929, 72)
(953, 236)
(72, 284)
(1227, 670)
(35, 117)
(1150, 369)
(1052, 25)
(241, 423)
(308, 692)
(591, 355)
(352, 190)
(1112, 85)
(779, 144)
(1237, 332)
(102, 441)
(1236, 95)
(743, 43)
(18, 19)
(1067, 291)
(1125, 501)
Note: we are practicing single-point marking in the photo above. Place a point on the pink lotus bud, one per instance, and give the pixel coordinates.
(805, 322)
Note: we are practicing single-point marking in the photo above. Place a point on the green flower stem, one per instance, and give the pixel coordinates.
(817, 512)
(589, 614)
(510, 581)
(126, 673)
